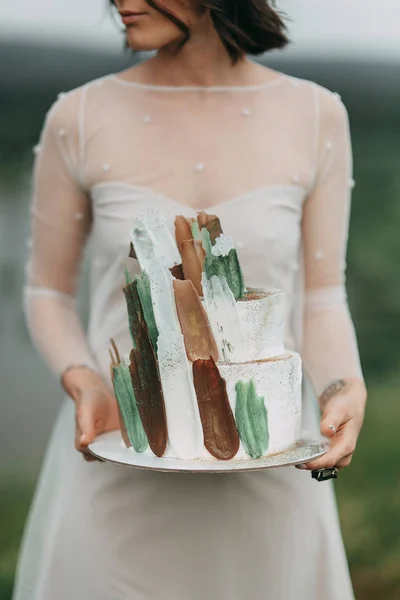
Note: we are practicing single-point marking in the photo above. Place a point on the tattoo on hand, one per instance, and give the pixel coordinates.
(331, 390)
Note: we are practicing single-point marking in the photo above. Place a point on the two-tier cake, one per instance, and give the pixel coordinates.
(208, 377)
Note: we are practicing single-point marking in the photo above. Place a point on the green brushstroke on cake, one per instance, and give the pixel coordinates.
(229, 267)
(143, 288)
(128, 406)
(206, 241)
(202, 235)
(140, 309)
(135, 311)
(196, 233)
(128, 277)
(251, 419)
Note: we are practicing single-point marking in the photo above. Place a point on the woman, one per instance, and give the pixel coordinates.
(198, 126)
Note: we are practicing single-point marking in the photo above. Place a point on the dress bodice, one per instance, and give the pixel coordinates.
(272, 161)
(257, 221)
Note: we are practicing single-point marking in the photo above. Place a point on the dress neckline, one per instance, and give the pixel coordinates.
(227, 203)
(176, 88)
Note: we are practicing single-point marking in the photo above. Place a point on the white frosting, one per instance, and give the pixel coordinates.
(244, 330)
(223, 245)
(153, 242)
(183, 418)
(262, 322)
(223, 316)
(278, 380)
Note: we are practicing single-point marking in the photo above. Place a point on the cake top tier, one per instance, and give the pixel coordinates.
(194, 286)
(200, 247)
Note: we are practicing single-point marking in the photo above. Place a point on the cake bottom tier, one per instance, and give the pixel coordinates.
(265, 399)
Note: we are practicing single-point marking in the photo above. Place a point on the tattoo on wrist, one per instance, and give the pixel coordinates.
(331, 390)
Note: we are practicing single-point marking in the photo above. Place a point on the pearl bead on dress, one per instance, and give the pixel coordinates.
(199, 168)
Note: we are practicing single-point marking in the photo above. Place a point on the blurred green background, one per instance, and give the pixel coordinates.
(369, 491)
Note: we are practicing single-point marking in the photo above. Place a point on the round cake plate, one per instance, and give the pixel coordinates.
(110, 448)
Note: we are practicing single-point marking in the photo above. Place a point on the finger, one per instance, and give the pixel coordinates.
(89, 457)
(334, 416)
(82, 448)
(85, 424)
(86, 454)
(343, 445)
(78, 436)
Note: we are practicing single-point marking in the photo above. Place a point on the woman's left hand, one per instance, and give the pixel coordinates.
(343, 407)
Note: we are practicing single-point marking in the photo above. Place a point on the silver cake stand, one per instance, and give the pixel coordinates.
(110, 448)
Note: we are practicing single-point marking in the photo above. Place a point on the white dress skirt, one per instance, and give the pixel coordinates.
(104, 532)
(274, 163)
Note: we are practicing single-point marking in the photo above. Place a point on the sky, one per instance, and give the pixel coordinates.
(368, 28)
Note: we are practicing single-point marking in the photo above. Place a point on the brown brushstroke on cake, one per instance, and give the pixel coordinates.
(259, 361)
(197, 334)
(148, 391)
(177, 272)
(183, 230)
(193, 257)
(211, 223)
(254, 294)
(221, 437)
(115, 361)
(132, 253)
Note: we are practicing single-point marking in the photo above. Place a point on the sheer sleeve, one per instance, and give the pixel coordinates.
(330, 347)
(61, 222)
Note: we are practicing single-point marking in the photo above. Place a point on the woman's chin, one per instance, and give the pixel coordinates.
(144, 43)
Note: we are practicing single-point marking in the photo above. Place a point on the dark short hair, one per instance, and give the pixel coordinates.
(244, 26)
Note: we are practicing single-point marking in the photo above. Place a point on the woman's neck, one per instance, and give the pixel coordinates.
(202, 62)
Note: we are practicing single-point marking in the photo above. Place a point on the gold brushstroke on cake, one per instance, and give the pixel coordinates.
(197, 334)
(193, 257)
(183, 230)
(221, 437)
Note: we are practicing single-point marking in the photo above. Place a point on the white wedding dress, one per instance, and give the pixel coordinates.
(274, 163)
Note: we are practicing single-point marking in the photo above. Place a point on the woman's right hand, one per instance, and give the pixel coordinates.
(96, 409)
